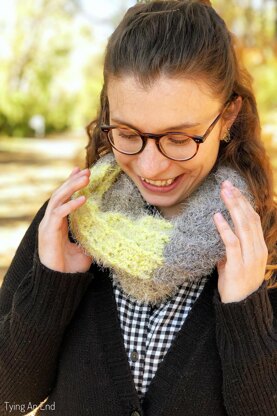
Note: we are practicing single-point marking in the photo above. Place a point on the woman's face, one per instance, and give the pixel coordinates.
(169, 104)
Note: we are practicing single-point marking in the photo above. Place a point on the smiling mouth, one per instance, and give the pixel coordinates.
(159, 183)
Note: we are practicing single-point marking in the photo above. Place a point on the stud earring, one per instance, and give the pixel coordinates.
(227, 137)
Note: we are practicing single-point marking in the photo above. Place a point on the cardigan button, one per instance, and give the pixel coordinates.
(135, 413)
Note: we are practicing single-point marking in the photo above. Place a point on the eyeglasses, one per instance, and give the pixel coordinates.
(173, 145)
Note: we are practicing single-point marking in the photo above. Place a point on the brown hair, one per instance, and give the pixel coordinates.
(188, 38)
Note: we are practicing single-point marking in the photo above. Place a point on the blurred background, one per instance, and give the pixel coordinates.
(51, 54)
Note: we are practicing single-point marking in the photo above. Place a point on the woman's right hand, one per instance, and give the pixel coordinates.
(55, 250)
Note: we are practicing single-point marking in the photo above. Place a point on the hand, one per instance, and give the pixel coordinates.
(243, 269)
(55, 250)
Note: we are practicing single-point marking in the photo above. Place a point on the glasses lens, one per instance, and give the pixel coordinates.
(125, 140)
(178, 146)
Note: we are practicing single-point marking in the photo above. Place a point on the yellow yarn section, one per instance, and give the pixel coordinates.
(101, 178)
(133, 246)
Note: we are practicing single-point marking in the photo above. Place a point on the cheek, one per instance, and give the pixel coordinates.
(208, 151)
(122, 160)
(205, 159)
(118, 156)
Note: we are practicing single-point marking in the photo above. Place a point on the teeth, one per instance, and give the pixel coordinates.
(159, 183)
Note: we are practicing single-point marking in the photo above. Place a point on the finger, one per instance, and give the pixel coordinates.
(76, 173)
(64, 193)
(75, 170)
(251, 216)
(244, 229)
(74, 176)
(245, 203)
(259, 244)
(55, 221)
(81, 173)
(62, 211)
(253, 245)
(230, 240)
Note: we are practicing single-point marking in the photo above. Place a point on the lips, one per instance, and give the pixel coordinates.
(165, 185)
(165, 182)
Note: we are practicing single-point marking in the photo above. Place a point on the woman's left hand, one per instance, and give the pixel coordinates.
(243, 269)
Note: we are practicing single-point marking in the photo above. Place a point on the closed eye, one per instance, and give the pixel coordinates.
(178, 140)
(128, 134)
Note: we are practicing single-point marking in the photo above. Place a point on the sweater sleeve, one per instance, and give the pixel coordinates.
(247, 343)
(36, 305)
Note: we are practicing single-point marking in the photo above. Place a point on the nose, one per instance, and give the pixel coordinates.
(152, 164)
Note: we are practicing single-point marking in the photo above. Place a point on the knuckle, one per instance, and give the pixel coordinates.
(54, 197)
(43, 231)
(43, 223)
(56, 212)
(265, 250)
(261, 256)
(55, 192)
(233, 241)
(225, 229)
(256, 218)
(245, 227)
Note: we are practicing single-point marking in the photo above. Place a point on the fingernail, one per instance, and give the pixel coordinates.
(228, 184)
(81, 198)
(83, 171)
(219, 217)
(228, 192)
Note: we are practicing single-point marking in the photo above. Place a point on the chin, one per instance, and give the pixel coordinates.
(160, 202)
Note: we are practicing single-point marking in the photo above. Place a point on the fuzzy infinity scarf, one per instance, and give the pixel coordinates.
(147, 254)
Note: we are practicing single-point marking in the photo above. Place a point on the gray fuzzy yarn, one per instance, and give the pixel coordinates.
(195, 246)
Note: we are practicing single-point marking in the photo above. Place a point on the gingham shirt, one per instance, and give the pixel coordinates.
(148, 332)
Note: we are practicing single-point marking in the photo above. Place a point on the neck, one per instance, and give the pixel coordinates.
(170, 212)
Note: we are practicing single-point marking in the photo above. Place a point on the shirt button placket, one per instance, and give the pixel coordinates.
(134, 356)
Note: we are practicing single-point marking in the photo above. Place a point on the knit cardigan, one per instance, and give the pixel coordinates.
(60, 338)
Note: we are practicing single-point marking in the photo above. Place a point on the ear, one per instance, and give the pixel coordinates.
(229, 117)
(231, 113)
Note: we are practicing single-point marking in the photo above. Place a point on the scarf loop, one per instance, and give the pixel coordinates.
(148, 255)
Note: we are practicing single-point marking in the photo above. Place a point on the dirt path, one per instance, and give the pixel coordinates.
(30, 169)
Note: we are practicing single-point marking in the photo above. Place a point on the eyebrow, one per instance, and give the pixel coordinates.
(178, 127)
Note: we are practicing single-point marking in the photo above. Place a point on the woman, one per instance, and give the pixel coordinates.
(160, 298)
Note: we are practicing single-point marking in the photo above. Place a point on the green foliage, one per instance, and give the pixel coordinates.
(49, 67)
(37, 76)
(255, 27)
(265, 83)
